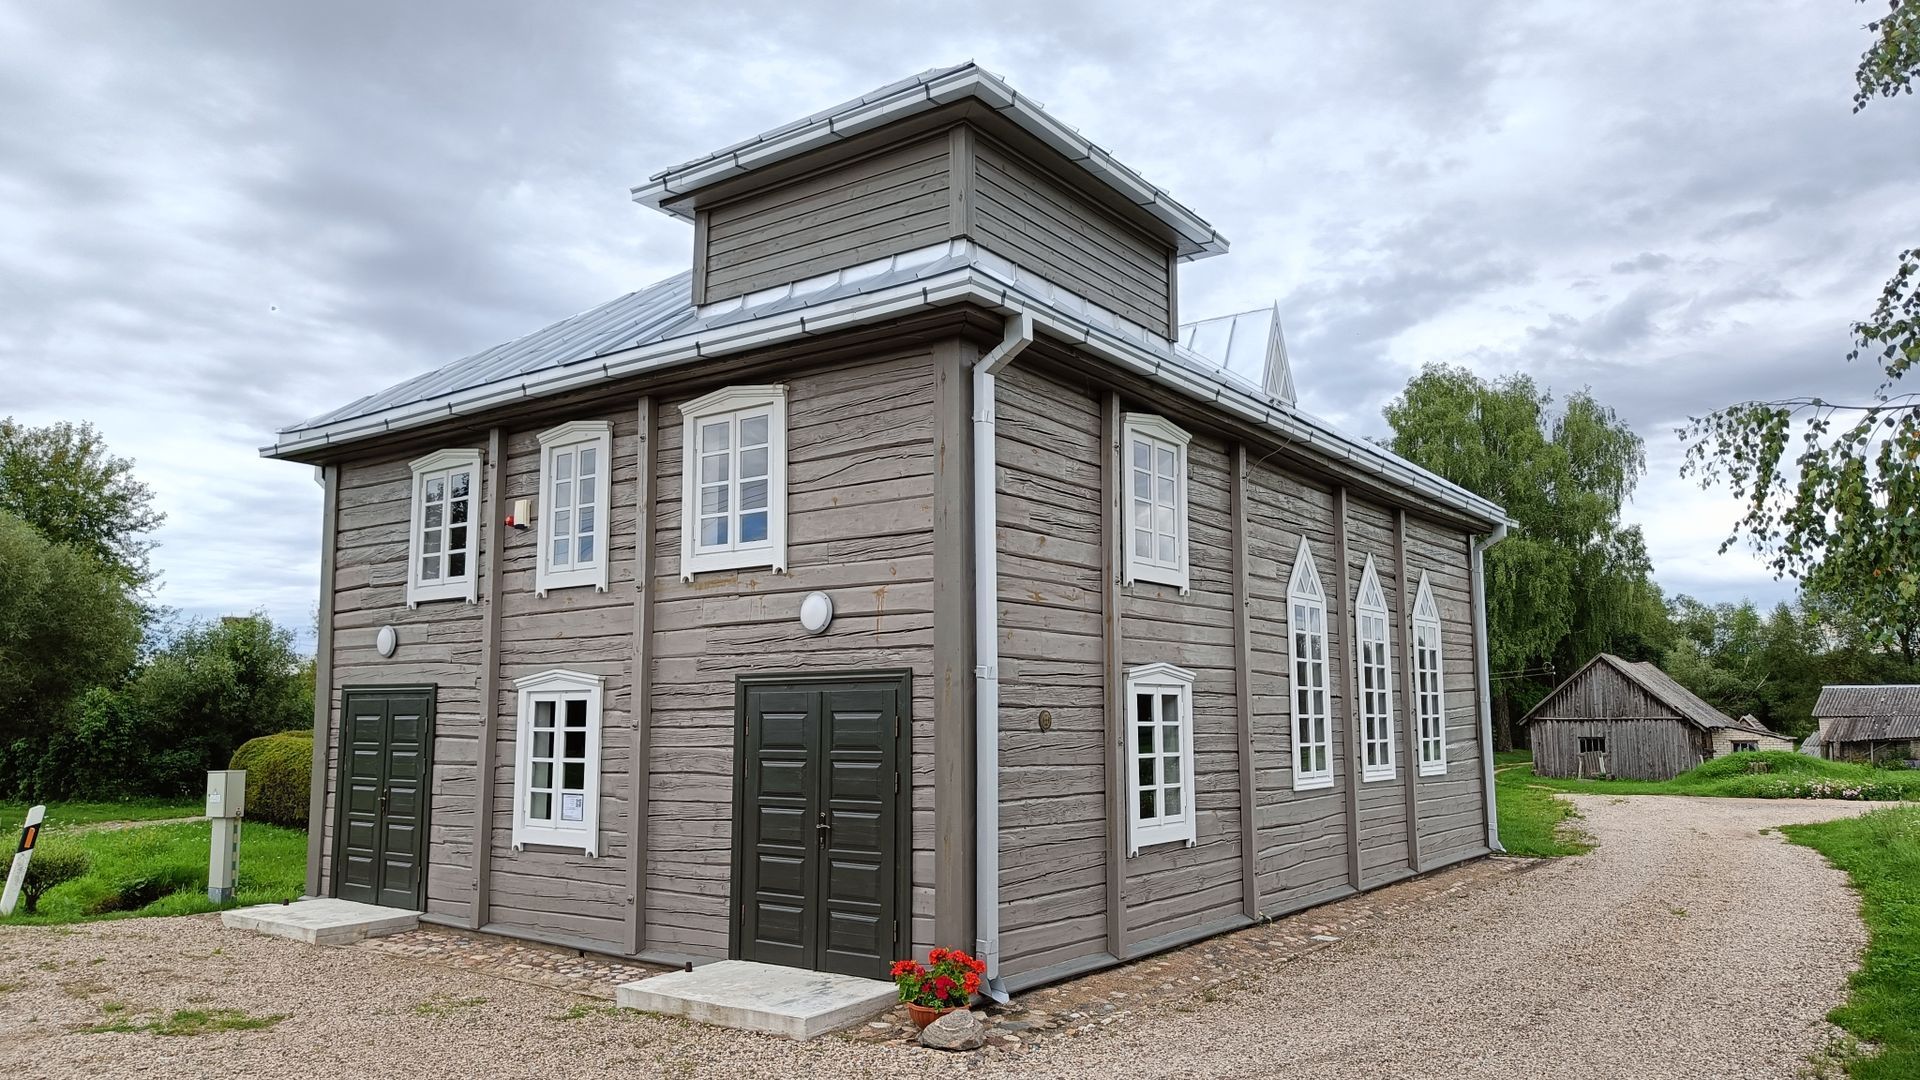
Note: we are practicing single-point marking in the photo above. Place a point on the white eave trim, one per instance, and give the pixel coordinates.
(960, 285)
(923, 97)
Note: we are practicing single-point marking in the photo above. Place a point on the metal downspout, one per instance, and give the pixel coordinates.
(986, 650)
(1480, 545)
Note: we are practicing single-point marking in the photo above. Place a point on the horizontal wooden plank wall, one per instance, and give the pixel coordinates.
(860, 527)
(551, 891)
(1383, 803)
(1053, 788)
(1171, 887)
(440, 644)
(1301, 835)
(1025, 215)
(853, 213)
(1452, 806)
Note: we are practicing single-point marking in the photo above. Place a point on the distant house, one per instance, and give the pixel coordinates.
(1619, 718)
(1868, 723)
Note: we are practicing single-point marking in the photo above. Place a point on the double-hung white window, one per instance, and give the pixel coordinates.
(1376, 678)
(443, 541)
(574, 470)
(1429, 690)
(1307, 654)
(1160, 755)
(734, 481)
(556, 775)
(1154, 523)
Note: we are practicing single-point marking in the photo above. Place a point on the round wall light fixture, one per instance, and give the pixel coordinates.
(816, 613)
(387, 640)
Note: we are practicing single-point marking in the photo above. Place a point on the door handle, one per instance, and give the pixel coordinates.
(384, 795)
(823, 830)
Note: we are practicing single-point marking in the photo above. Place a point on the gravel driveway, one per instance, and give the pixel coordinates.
(1689, 944)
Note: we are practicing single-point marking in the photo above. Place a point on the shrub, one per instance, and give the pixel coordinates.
(279, 777)
(134, 893)
(53, 862)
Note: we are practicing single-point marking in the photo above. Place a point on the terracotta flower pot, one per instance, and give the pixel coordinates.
(926, 1014)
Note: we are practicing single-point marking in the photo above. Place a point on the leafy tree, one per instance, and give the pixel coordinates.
(1840, 516)
(1569, 580)
(66, 623)
(1742, 663)
(61, 480)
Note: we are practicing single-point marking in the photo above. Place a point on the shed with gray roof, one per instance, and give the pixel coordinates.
(1869, 723)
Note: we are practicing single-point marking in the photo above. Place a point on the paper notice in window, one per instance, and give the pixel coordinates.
(573, 807)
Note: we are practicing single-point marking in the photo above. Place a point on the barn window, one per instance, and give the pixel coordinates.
(1430, 705)
(443, 541)
(574, 469)
(556, 776)
(1160, 750)
(1593, 744)
(1740, 745)
(1307, 656)
(733, 499)
(1376, 678)
(1155, 524)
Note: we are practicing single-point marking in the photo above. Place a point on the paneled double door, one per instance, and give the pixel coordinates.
(380, 827)
(821, 836)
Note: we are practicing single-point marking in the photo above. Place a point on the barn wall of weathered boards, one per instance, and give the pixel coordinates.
(662, 632)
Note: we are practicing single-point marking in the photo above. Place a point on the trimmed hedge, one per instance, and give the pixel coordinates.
(279, 777)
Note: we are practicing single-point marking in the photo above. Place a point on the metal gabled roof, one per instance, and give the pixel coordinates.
(1893, 699)
(920, 93)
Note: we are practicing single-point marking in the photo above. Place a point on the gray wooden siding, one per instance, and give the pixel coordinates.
(1383, 803)
(439, 644)
(1053, 821)
(1027, 216)
(1301, 835)
(882, 205)
(859, 526)
(552, 891)
(1600, 692)
(1172, 887)
(1637, 749)
(1451, 807)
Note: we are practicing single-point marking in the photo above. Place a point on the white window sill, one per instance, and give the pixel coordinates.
(1157, 575)
(580, 840)
(1433, 768)
(421, 594)
(572, 579)
(1376, 776)
(1313, 782)
(751, 559)
(1146, 836)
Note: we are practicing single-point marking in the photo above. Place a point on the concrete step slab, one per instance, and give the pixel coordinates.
(322, 920)
(761, 997)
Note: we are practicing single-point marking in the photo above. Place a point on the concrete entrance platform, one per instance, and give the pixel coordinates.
(761, 997)
(322, 920)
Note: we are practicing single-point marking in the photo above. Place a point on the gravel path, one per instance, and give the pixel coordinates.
(1689, 944)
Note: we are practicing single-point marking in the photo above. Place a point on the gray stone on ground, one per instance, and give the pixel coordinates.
(958, 1030)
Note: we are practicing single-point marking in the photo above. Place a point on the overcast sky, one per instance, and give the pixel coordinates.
(217, 219)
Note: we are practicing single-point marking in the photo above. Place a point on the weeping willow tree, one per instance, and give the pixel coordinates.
(1570, 580)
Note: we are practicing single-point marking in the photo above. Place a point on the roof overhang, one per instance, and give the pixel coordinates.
(1059, 314)
(669, 191)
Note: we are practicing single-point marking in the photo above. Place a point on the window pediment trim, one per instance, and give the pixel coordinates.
(575, 431)
(729, 398)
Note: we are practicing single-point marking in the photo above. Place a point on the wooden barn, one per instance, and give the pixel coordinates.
(1631, 720)
(1868, 723)
(907, 573)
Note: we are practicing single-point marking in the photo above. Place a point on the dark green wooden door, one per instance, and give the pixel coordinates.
(384, 788)
(819, 872)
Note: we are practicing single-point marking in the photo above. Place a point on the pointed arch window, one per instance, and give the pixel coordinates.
(1376, 677)
(1307, 657)
(1430, 705)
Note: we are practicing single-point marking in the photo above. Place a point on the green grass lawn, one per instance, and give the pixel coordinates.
(1881, 850)
(64, 814)
(1533, 821)
(162, 870)
(1764, 774)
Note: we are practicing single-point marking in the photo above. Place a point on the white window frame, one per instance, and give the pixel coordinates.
(1157, 682)
(1307, 674)
(557, 687)
(571, 438)
(442, 465)
(1429, 682)
(1373, 651)
(1159, 436)
(734, 403)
